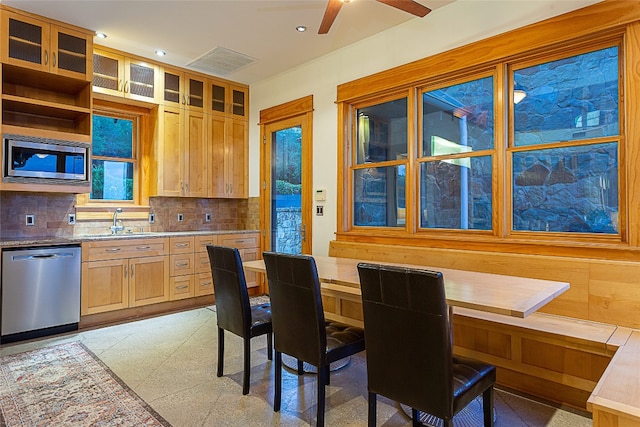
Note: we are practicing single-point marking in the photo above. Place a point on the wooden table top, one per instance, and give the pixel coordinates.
(494, 293)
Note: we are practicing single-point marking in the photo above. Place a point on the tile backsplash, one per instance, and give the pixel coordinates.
(50, 211)
(226, 214)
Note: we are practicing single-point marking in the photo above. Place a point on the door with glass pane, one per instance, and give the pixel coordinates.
(286, 203)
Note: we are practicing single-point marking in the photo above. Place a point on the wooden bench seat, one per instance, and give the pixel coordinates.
(554, 357)
(615, 401)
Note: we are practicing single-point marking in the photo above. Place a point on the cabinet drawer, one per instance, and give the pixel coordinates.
(203, 241)
(202, 263)
(181, 245)
(240, 240)
(204, 284)
(181, 287)
(181, 264)
(123, 248)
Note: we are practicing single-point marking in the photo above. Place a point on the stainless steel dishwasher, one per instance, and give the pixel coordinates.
(40, 292)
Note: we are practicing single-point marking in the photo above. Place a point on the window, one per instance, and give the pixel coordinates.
(456, 166)
(380, 165)
(490, 164)
(565, 145)
(113, 157)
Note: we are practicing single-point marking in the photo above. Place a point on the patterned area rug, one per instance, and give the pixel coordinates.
(67, 385)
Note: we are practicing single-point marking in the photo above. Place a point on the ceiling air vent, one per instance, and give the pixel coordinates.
(220, 61)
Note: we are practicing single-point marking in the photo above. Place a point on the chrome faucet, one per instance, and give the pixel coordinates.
(117, 225)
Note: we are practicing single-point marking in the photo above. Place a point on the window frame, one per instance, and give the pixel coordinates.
(502, 201)
(135, 135)
(560, 52)
(353, 165)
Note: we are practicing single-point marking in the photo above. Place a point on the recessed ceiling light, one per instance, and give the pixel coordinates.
(160, 52)
(101, 35)
(301, 28)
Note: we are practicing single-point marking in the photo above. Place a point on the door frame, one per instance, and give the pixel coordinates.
(293, 113)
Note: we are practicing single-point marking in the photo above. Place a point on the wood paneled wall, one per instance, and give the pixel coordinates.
(605, 291)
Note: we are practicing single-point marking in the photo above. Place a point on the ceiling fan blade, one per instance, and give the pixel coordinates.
(409, 6)
(333, 7)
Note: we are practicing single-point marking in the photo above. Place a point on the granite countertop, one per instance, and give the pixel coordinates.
(10, 242)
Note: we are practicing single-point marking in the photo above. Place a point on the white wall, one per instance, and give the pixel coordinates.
(457, 24)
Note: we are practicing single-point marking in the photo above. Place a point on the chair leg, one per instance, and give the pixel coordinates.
(372, 409)
(220, 351)
(277, 397)
(247, 366)
(270, 346)
(300, 367)
(322, 375)
(487, 407)
(415, 418)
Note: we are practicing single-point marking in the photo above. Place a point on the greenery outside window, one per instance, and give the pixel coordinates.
(113, 157)
(456, 166)
(565, 145)
(379, 169)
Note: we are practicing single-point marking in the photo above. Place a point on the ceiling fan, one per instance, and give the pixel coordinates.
(333, 7)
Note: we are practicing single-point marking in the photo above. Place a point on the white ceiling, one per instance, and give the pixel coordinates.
(261, 29)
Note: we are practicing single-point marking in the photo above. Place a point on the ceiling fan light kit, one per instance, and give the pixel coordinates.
(333, 7)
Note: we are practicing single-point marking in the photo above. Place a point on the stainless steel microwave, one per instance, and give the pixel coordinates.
(40, 160)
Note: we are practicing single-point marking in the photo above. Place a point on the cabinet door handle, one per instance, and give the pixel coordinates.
(54, 59)
(132, 271)
(112, 249)
(143, 248)
(182, 245)
(126, 87)
(182, 264)
(182, 287)
(205, 285)
(125, 271)
(120, 86)
(46, 57)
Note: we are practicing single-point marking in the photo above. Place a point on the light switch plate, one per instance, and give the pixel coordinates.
(207, 217)
(71, 219)
(152, 218)
(180, 217)
(30, 220)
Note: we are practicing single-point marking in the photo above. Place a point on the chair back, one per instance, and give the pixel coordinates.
(230, 290)
(407, 333)
(296, 307)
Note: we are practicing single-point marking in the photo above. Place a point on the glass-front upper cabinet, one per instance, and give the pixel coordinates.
(173, 87)
(229, 100)
(380, 164)
(41, 45)
(118, 75)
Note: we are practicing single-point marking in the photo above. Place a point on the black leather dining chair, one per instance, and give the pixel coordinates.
(409, 346)
(299, 325)
(234, 312)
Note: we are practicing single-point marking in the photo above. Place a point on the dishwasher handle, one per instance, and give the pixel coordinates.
(41, 256)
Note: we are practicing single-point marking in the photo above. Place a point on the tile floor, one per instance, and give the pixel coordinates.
(169, 361)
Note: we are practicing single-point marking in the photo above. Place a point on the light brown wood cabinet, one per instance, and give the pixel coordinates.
(181, 270)
(183, 89)
(181, 154)
(46, 70)
(203, 278)
(229, 100)
(122, 273)
(228, 161)
(120, 75)
(45, 45)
